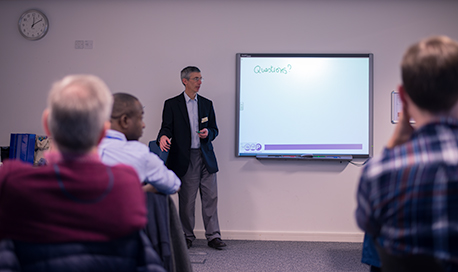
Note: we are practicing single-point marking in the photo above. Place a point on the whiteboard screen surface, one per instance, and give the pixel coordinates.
(304, 104)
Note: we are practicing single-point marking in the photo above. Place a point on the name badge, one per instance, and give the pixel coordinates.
(205, 119)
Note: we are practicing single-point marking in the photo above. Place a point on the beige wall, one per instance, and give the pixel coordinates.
(140, 47)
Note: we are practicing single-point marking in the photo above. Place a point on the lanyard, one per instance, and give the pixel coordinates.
(112, 137)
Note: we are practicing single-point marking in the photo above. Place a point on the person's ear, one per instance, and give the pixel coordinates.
(124, 121)
(44, 119)
(405, 99)
(184, 81)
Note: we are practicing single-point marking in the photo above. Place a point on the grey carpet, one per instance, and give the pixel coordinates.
(277, 256)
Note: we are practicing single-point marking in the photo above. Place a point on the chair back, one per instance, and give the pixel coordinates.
(408, 263)
(153, 147)
(130, 253)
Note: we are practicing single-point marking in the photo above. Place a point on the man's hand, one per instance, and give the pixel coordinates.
(203, 133)
(403, 130)
(149, 188)
(164, 143)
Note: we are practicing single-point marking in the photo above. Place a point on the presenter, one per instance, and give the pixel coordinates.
(187, 131)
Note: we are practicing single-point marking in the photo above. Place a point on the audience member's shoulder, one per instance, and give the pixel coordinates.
(137, 146)
(14, 169)
(380, 164)
(139, 150)
(124, 172)
(15, 165)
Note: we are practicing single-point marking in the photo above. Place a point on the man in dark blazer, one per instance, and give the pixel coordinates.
(187, 131)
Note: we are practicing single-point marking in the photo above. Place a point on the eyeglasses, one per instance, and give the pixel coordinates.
(197, 79)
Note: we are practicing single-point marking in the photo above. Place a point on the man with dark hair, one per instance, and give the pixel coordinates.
(121, 145)
(187, 131)
(408, 197)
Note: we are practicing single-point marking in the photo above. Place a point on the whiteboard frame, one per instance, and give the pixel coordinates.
(370, 57)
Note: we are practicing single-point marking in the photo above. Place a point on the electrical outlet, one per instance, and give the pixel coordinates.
(88, 44)
(79, 44)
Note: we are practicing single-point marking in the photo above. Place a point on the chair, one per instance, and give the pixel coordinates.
(130, 253)
(408, 263)
(164, 226)
(153, 147)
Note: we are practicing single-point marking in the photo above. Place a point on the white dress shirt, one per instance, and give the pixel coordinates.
(115, 149)
(191, 105)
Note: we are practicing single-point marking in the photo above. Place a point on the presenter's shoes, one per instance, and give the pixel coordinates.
(216, 243)
(188, 243)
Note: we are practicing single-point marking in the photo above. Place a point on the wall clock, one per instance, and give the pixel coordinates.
(33, 24)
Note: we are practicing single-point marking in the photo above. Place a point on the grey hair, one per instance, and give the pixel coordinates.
(187, 71)
(78, 105)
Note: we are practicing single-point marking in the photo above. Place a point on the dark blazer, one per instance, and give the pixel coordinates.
(175, 125)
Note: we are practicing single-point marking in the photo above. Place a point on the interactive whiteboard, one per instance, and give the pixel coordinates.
(304, 105)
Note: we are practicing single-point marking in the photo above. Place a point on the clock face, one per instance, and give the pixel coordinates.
(33, 24)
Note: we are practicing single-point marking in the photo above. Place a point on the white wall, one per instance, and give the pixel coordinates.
(140, 47)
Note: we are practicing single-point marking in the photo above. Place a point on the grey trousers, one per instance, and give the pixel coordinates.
(198, 178)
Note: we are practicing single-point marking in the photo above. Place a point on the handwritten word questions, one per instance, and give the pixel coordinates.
(272, 70)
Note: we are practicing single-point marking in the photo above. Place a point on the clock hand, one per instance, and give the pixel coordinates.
(36, 23)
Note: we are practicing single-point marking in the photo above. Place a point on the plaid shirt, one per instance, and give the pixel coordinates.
(408, 197)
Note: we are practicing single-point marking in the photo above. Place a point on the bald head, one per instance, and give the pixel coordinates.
(78, 107)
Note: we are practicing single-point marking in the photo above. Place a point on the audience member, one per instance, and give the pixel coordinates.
(75, 197)
(408, 196)
(121, 145)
